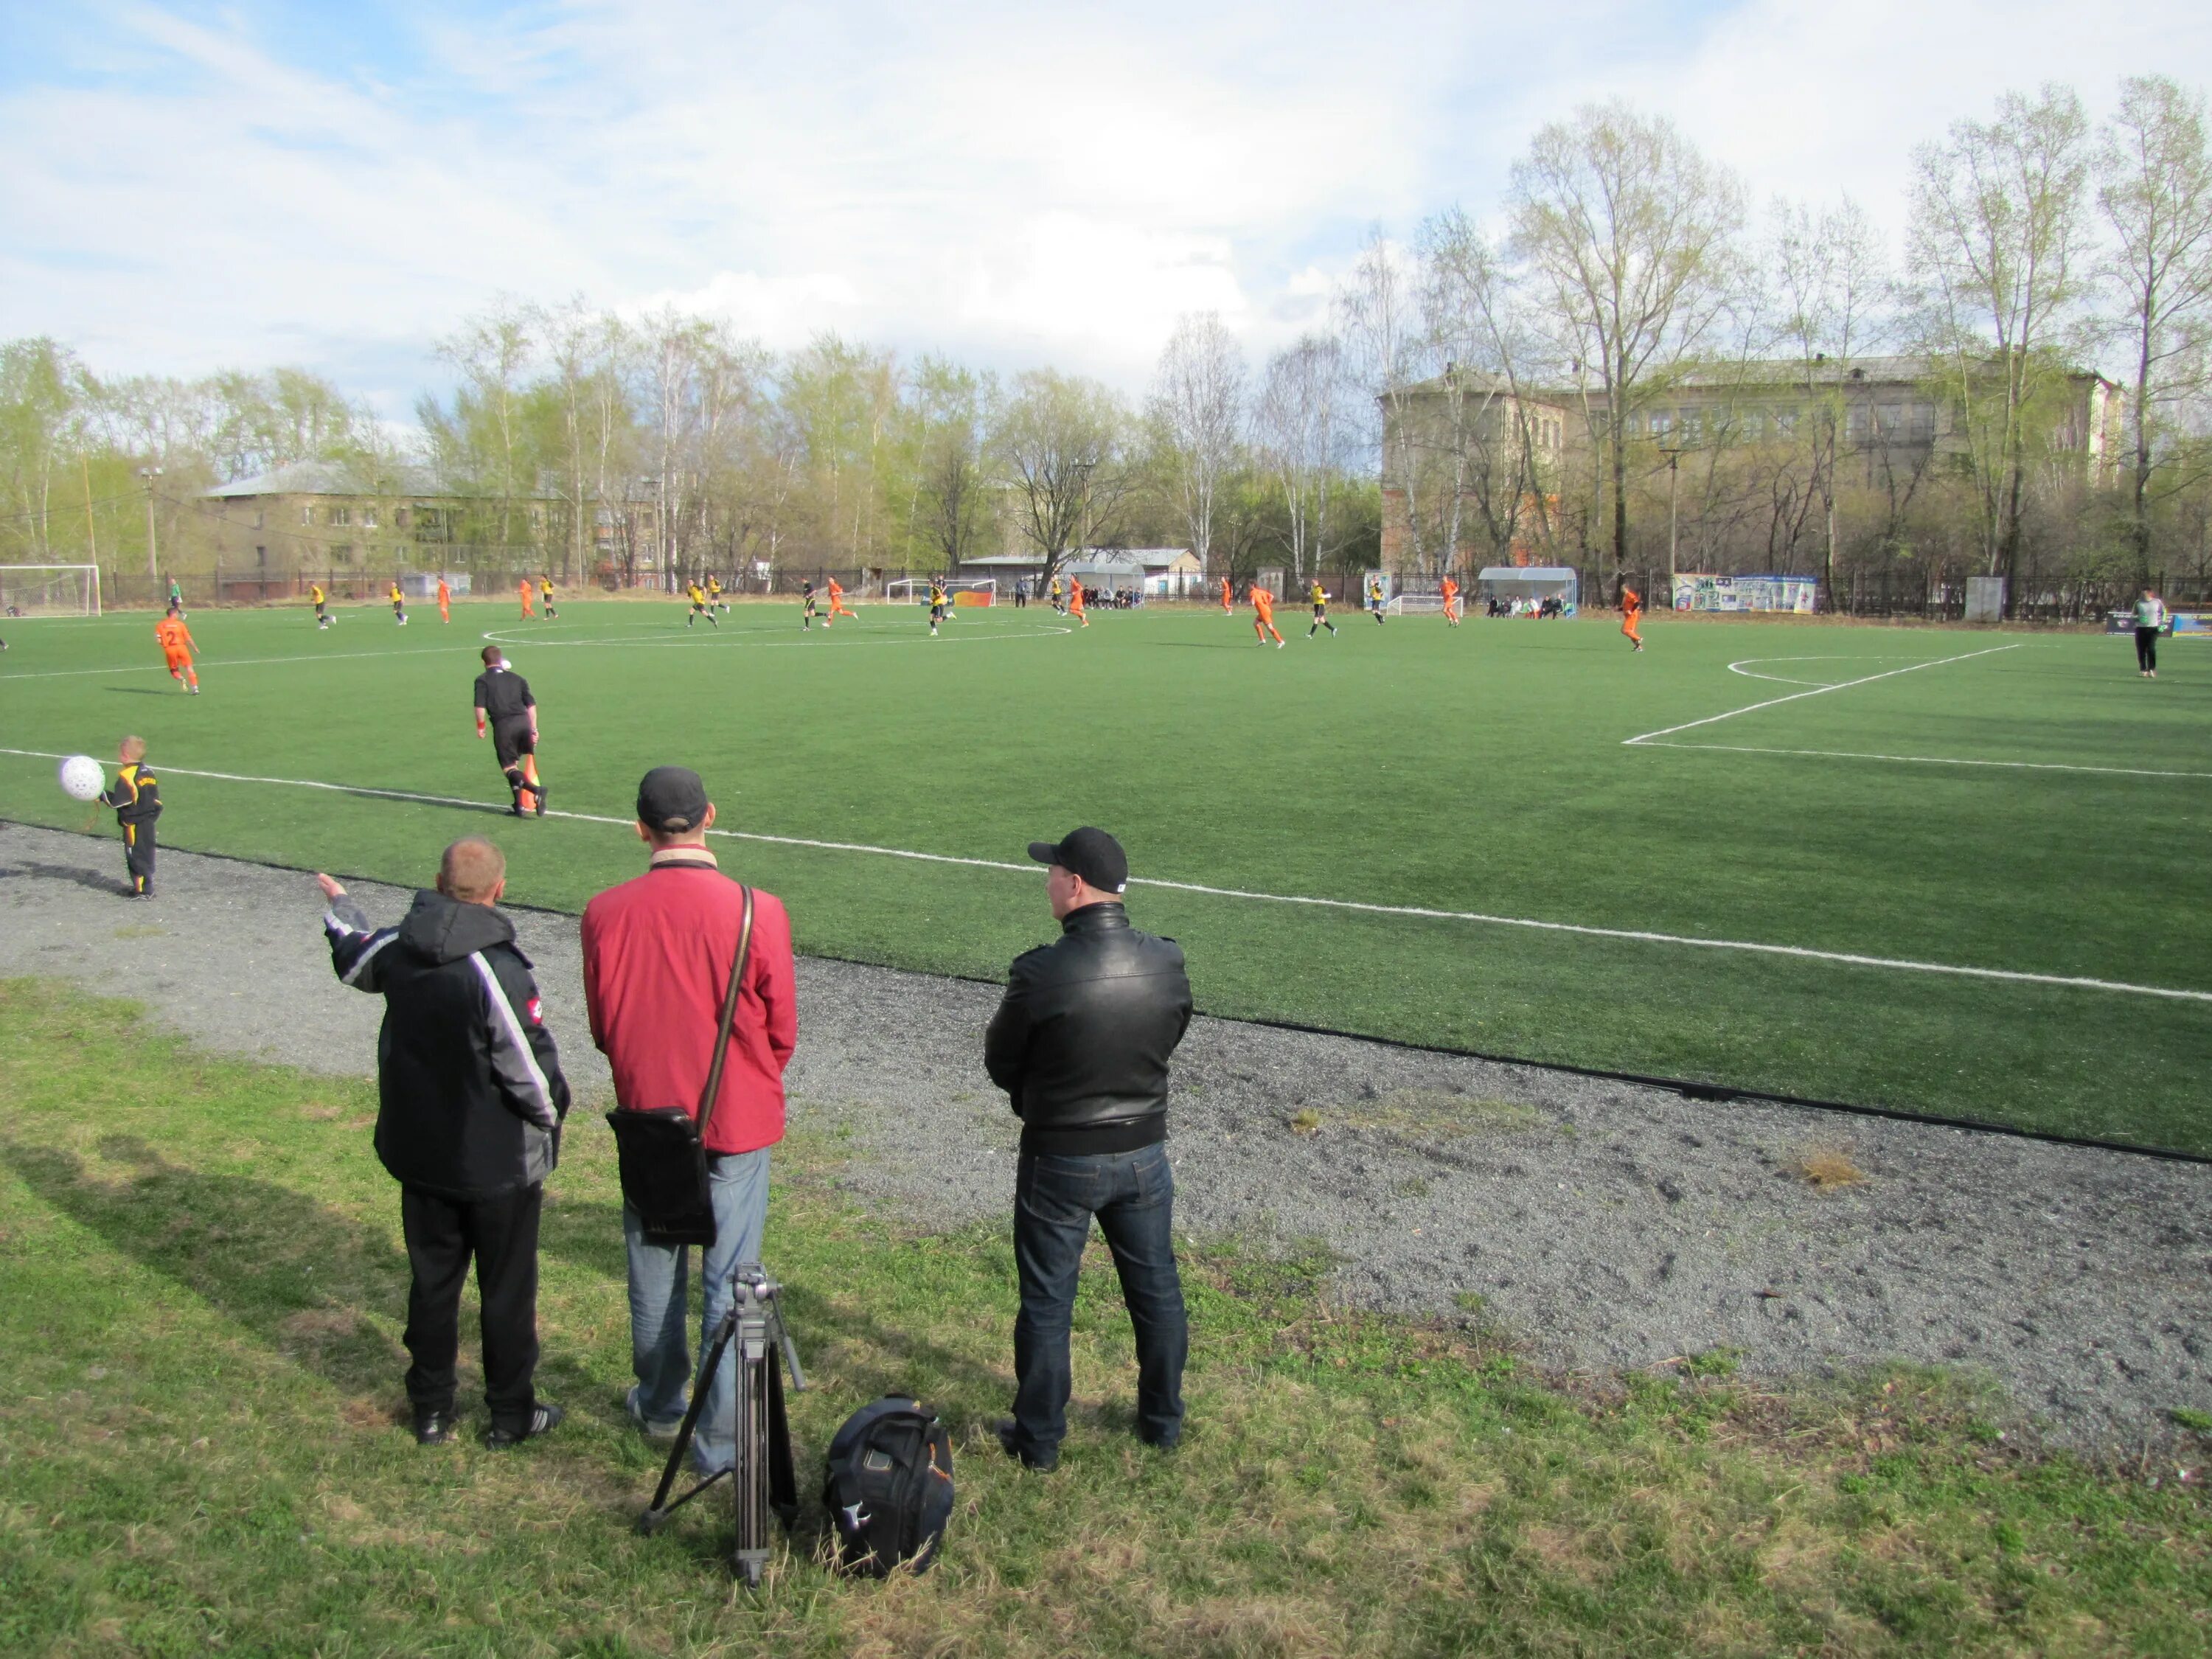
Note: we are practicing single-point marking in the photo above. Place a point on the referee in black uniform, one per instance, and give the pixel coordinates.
(503, 702)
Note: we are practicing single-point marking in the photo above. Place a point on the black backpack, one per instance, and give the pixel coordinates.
(888, 1486)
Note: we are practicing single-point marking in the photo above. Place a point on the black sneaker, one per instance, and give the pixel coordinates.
(1009, 1435)
(544, 1420)
(433, 1428)
(539, 791)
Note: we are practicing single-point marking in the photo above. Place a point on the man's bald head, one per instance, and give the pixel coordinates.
(473, 872)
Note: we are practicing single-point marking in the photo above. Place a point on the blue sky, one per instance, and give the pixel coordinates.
(192, 186)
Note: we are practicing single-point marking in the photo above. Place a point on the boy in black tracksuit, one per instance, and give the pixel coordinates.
(470, 1102)
(506, 709)
(136, 795)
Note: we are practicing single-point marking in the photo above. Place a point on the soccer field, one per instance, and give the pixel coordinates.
(1947, 871)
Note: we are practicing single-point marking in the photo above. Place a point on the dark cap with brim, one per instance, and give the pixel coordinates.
(671, 800)
(1090, 854)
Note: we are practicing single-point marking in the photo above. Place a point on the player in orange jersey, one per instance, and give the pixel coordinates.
(1075, 600)
(1631, 612)
(1451, 602)
(1263, 614)
(1227, 593)
(529, 611)
(176, 648)
(837, 606)
(445, 601)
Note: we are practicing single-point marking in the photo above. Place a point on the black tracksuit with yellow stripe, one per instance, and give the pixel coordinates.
(136, 795)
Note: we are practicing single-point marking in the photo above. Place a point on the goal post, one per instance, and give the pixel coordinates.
(914, 590)
(49, 590)
(1414, 605)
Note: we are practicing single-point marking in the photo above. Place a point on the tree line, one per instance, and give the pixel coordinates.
(1621, 266)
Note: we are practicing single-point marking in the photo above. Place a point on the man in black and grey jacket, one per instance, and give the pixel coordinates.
(470, 1100)
(1081, 1045)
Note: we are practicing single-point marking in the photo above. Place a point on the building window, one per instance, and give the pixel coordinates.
(368, 517)
(399, 517)
(1663, 421)
(307, 514)
(1923, 419)
(261, 558)
(1858, 423)
(1785, 422)
(342, 554)
(341, 515)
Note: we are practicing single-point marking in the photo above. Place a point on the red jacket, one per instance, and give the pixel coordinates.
(657, 955)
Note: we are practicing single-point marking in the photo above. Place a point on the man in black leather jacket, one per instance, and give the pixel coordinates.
(1081, 1045)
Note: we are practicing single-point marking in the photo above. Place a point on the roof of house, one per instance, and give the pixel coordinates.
(1768, 373)
(336, 478)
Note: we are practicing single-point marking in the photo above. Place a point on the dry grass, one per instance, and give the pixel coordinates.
(1828, 1168)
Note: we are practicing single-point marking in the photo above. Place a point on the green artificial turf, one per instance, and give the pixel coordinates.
(1482, 770)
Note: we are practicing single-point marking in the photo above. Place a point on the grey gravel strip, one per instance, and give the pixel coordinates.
(1608, 1226)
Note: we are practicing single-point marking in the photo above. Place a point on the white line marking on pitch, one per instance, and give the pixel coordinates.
(500, 637)
(1934, 760)
(1743, 666)
(1639, 935)
(1818, 691)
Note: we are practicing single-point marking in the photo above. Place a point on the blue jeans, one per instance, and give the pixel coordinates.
(1133, 1195)
(658, 1281)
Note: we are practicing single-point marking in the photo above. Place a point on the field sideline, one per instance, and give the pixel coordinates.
(1923, 869)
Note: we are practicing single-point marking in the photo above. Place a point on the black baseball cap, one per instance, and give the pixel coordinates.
(671, 800)
(1090, 854)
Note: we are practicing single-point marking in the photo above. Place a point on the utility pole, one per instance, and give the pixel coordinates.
(152, 564)
(1674, 465)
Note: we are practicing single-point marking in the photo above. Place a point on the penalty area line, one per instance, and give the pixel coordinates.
(1634, 935)
(1816, 691)
(1934, 760)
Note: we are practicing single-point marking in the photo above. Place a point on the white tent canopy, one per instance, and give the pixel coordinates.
(1528, 581)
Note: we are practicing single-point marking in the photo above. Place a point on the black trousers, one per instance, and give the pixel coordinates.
(501, 1234)
(2146, 649)
(138, 854)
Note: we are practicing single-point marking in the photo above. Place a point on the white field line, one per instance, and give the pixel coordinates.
(1934, 760)
(1816, 691)
(1639, 935)
(501, 637)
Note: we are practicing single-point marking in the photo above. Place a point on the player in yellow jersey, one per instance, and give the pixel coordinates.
(715, 593)
(936, 603)
(398, 606)
(545, 592)
(699, 606)
(1319, 595)
(321, 601)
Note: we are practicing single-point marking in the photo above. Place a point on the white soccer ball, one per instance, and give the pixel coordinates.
(82, 778)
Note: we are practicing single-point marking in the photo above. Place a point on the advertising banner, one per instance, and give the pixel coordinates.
(1694, 591)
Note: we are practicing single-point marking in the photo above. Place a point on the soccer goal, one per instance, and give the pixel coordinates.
(914, 590)
(49, 590)
(1414, 605)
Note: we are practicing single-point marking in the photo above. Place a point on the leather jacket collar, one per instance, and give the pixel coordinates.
(1096, 918)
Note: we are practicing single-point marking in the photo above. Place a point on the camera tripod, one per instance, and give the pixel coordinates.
(764, 1482)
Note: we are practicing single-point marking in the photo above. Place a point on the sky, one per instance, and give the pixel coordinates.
(194, 186)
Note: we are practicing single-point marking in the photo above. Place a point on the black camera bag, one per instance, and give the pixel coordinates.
(888, 1486)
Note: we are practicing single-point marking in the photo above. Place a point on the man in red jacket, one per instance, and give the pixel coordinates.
(658, 952)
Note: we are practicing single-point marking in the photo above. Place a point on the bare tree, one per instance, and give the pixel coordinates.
(1059, 446)
(1828, 270)
(1630, 233)
(1297, 428)
(1197, 414)
(1387, 355)
(2154, 185)
(492, 352)
(953, 492)
(1996, 241)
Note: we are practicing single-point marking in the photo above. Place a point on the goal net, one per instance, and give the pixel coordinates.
(1415, 605)
(914, 590)
(49, 590)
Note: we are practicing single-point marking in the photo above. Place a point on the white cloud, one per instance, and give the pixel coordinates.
(1017, 183)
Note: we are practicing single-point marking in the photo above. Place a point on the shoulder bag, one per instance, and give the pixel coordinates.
(662, 1150)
